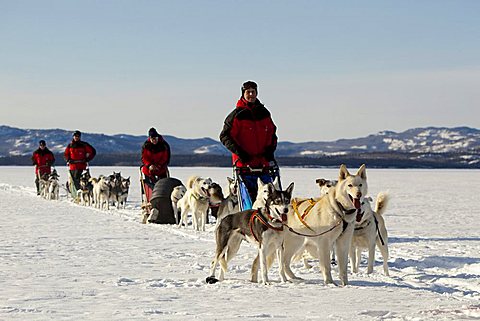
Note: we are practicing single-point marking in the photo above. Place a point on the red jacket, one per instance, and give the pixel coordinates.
(156, 154)
(250, 134)
(78, 154)
(43, 161)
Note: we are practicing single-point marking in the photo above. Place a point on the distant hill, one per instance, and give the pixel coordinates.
(426, 147)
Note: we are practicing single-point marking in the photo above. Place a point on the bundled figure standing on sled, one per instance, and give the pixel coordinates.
(155, 157)
(157, 185)
(43, 159)
(77, 155)
(250, 134)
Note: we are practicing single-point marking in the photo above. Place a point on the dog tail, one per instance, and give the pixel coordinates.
(190, 181)
(382, 202)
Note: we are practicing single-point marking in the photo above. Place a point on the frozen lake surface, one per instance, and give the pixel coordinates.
(61, 261)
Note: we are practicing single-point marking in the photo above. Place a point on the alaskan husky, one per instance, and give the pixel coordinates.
(53, 186)
(101, 192)
(124, 188)
(229, 204)
(263, 227)
(196, 200)
(368, 232)
(177, 193)
(325, 185)
(328, 220)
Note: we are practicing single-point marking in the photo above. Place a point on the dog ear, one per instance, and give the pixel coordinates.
(259, 182)
(229, 180)
(343, 173)
(276, 183)
(289, 189)
(362, 172)
(271, 188)
(320, 181)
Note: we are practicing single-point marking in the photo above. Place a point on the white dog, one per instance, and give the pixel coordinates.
(329, 220)
(263, 192)
(101, 192)
(196, 200)
(325, 185)
(177, 193)
(368, 232)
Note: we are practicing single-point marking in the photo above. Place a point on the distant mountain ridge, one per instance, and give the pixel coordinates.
(463, 142)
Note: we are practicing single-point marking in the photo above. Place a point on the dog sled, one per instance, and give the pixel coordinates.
(246, 178)
(156, 202)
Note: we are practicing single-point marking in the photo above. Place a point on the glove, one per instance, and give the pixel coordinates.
(152, 168)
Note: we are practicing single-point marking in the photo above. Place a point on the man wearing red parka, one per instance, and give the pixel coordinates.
(43, 159)
(77, 155)
(155, 157)
(250, 134)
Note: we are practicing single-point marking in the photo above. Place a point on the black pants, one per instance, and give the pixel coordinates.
(76, 174)
(37, 184)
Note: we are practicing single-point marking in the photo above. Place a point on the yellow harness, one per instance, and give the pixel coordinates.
(296, 204)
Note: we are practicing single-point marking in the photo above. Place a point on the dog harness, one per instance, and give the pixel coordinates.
(257, 216)
(295, 205)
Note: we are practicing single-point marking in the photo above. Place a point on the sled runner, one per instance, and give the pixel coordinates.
(246, 178)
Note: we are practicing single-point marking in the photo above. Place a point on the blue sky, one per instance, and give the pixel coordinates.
(326, 69)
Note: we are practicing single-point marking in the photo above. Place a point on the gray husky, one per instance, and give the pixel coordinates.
(262, 227)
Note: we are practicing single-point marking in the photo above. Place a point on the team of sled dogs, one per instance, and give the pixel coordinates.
(341, 219)
(104, 191)
(49, 186)
(101, 192)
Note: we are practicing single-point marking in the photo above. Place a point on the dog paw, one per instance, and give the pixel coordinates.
(211, 280)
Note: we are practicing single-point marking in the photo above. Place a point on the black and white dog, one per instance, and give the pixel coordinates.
(263, 227)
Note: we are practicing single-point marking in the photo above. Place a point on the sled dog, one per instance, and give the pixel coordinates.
(328, 220)
(229, 204)
(53, 186)
(101, 192)
(368, 232)
(325, 185)
(123, 194)
(263, 192)
(177, 193)
(263, 227)
(196, 200)
(115, 184)
(85, 193)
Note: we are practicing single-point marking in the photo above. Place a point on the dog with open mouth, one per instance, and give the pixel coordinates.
(263, 227)
(196, 200)
(370, 231)
(318, 223)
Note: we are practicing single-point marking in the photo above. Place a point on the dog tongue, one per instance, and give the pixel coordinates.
(356, 203)
(284, 217)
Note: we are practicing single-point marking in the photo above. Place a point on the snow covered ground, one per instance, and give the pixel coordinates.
(61, 261)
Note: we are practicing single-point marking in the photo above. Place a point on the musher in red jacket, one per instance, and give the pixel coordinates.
(250, 134)
(43, 159)
(155, 157)
(77, 155)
